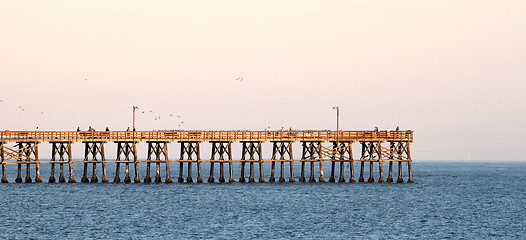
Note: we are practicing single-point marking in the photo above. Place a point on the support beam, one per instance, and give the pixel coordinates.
(59, 150)
(342, 151)
(371, 152)
(189, 151)
(157, 150)
(125, 153)
(221, 149)
(2, 157)
(27, 153)
(252, 149)
(312, 153)
(282, 151)
(94, 153)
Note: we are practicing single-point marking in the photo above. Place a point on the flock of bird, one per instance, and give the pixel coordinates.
(156, 118)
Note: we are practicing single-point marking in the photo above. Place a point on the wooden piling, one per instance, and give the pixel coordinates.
(168, 178)
(380, 172)
(390, 176)
(2, 157)
(94, 177)
(85, 173)
(320, 162)
(242, 173)
(211, 177)
(251, 177)
(409, 166)
(400, 179)
(362, 169)
(333, 167)
(291, 163)
(54, 149)
(189, 177)
(198, 163)
(157, 162)
(410, 170)
(282, 171)
(103, 158)
(230, 163)
(70, 164)
(221, 173)
(120, 149)
(351, 169)
(136, 178)
(342, 173)
(61, 178)
(147, 178)
(371, 174)
(303, 158)
(180, 179)
(311, 178)
(272, 171)
(258, 150)
(28, 173)
(302, 173)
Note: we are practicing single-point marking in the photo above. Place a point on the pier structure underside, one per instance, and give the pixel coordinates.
(322, 151)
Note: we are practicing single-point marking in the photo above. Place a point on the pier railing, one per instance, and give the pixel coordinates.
(196, 135)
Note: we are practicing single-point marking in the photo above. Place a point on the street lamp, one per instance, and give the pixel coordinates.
(337, 120)
(134, 107)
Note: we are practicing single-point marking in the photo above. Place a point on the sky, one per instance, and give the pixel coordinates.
(453, 71)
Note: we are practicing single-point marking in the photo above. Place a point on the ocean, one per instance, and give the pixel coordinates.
(449, 200)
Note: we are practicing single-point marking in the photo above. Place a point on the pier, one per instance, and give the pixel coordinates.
(321, 151)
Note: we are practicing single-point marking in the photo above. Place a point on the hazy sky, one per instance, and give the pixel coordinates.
(453, 71)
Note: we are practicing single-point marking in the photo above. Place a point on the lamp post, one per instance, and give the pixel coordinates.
(337, 122)
(134, 108)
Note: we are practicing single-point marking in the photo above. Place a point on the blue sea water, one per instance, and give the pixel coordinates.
(449, 200)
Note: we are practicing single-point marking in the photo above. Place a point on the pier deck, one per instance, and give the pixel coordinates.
(204, 136)
(317, 147)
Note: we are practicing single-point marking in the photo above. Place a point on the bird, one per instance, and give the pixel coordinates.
(178, 116)
(142, 111)
(239, 79)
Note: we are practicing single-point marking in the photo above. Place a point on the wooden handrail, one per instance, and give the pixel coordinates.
(199, 135)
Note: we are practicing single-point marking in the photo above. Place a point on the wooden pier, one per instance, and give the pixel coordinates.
(318, 149)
